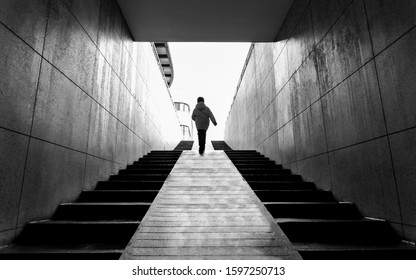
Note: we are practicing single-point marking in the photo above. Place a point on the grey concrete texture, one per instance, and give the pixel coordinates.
(344, 103)
(19, 74)
(97, 169)
(345, 48)
(310, 134)
(294, 16)
(53, 175)
(62, 110)
(6, 236)
(300, 42)
(27, 19)
(409, 232)
(286, 143)
(102, 133)
(13, 149)
(364, 174)
(358, 98)
(281, 68)
(88, 100)
(304, 86)
(325, 14)
(404, 156)
(264, 61)
(67, 44)
(88, 14)
(389, 20)
(316, 169)
(396, 75)
(284, 108)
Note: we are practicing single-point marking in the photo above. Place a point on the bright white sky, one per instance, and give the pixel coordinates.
(210, 70)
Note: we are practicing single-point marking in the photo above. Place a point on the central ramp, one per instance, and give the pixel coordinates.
(206, 210)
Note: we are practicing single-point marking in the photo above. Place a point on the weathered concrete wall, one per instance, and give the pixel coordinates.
(334, 99)
(78, 101)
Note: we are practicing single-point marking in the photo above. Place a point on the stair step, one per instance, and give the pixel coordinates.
(294, 195)
(242, 152)
(139, 177)
(156, 161)
(114, 233)
(313, 210)
(399, 251)
(151, 158)
(151, 166)
(362, 231)
(118, 196)
(184, 145)
(257, 164)
(184, 148)
(246, 157)
(220, 145)
(264, 172)
(38, 252)
(129, 185)
(254, 167)
(101, 211)
(138, 171)
(252, 160)
(362, 253)
(101, 223)
(159, 152)
(158, 156)
(237, 155)
(273, 177)
(165, 152)
(281, 185)
(308, 215)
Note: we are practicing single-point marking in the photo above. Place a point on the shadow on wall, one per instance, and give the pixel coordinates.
(333, 99)
(79, 101)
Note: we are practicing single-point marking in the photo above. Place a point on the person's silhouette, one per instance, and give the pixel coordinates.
(201, 115)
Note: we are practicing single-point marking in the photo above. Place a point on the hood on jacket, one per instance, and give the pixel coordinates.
(200, 106)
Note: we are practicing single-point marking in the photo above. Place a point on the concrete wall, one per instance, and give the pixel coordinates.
(334, 99)
(78, 101)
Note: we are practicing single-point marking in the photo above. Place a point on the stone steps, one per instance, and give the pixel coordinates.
(118, 196)
(319, 227)
(294, 195)
(101, 222)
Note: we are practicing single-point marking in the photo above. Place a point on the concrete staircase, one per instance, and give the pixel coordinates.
(319, 226)
(205, 210)
(101, 222)
(220, 145)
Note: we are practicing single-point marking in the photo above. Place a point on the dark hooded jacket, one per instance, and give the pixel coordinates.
(201, 115)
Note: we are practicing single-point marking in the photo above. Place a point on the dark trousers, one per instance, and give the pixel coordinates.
(202, 135)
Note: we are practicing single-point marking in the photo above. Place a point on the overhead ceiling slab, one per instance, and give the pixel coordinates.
(204, 20)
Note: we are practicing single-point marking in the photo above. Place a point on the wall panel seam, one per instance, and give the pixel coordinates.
(320, 97)
(93, 99)
(33, 116)
(335, 22)
(344, 147)
(384, 118)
